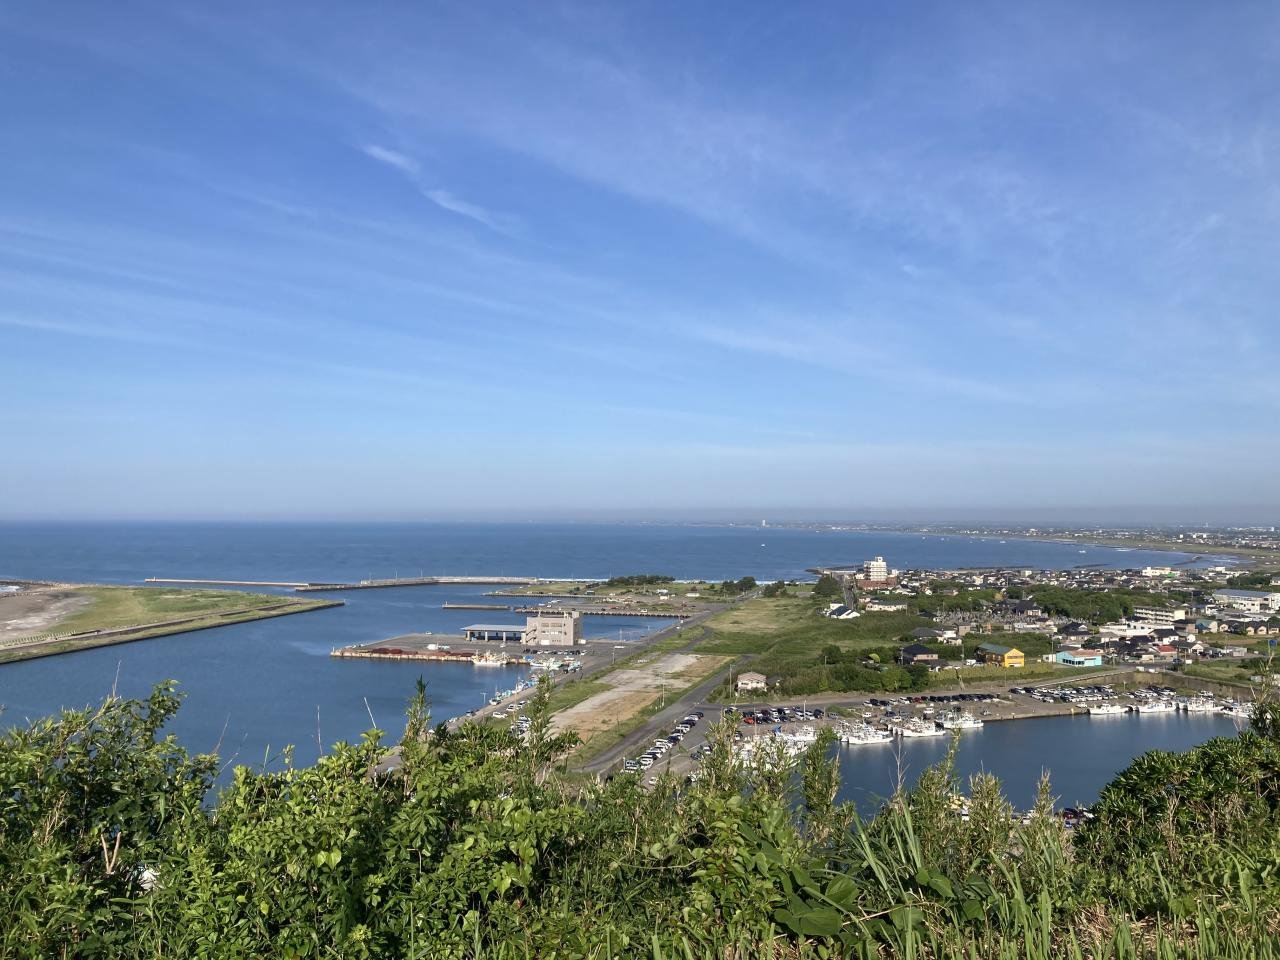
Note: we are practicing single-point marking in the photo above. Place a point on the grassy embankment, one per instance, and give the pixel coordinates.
(125, 614)
(1222, 671)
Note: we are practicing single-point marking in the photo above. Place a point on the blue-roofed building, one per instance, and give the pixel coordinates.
(1078, 658)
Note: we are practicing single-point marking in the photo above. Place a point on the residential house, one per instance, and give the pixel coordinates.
(914, 653)
(838, 611)
(994, 653)
(884, 606)
(1189, 647)
(926, 634)
(751, 682)
(1075, 630)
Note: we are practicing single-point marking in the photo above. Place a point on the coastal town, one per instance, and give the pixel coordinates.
(873, 652)
(1091, 616)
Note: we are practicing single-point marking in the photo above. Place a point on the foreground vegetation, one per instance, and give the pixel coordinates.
(111, 845)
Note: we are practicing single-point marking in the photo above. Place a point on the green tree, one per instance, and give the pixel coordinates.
(828, 588)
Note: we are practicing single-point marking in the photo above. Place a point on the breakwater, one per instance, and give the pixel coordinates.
(314, 586)
(49, 644)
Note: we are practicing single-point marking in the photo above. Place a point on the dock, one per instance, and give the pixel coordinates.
(604, 610)
(475, 606)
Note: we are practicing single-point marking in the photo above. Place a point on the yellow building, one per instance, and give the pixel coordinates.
(1001, 656)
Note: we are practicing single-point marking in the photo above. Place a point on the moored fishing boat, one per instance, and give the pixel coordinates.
(919, 728)
(1198, 704)
(961, 721)
(859, 733)
(1107, 710)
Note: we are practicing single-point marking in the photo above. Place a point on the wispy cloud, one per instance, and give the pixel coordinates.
(392, 158)
(813, 347)
(444, 199)
(503, 223)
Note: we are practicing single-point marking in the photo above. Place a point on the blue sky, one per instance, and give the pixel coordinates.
(430, 260)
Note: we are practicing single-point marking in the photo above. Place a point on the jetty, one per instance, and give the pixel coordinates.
(475, 606)
(226, 583)
(375, 584)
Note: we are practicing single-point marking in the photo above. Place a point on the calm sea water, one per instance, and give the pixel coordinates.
(253, 688)
(126, 553)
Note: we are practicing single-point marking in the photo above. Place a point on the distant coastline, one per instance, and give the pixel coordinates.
(1244, 559)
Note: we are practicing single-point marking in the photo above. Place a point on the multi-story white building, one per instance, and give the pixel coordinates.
(1251, 601)
(1164, 616)
(875, 569)
(553, 628)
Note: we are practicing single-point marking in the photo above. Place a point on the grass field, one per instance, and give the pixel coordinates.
(129, 606)
(784, 637)
(794, 627)
(125, 614)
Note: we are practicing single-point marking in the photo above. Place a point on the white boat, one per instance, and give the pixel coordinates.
(1198, 705)
(1243, 710)
(489, 660)
(858, 733)
(961, 721)
(920, 728)
(1107, 710)
(1154, 706)
(797, 739)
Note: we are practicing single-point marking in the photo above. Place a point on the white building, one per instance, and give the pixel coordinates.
(1159, 572)
(750, 681)
(553, 628)
(875, 569)
(1251, 601)
(1165, 617)
(885, 606)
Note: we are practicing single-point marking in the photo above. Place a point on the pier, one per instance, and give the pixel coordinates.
(475, 606)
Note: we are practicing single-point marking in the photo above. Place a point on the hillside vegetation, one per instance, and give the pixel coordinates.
(112, 846)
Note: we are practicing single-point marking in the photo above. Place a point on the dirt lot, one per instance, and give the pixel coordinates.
(39, 610)
(632, 689)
